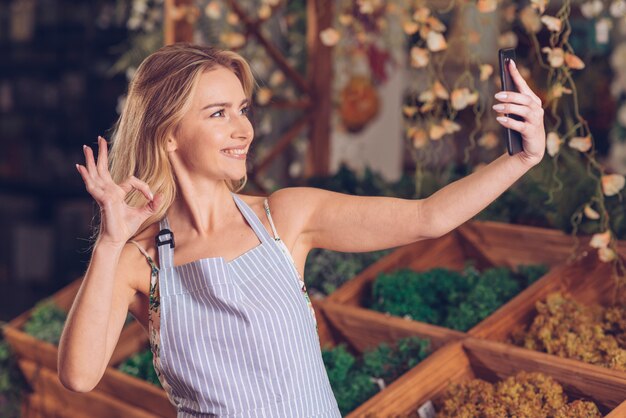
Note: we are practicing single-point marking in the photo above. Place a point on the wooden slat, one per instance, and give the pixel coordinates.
(279, 58)
(472, 358)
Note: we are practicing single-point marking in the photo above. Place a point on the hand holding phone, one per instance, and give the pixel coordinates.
(513, 138)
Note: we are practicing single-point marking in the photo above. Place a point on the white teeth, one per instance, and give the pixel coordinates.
(234, 151)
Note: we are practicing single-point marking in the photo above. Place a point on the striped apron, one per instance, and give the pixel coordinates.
(237, 338)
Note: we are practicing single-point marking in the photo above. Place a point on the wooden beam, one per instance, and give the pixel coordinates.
(252, 27)
(179, 20)
(282, 143)
(320, 75)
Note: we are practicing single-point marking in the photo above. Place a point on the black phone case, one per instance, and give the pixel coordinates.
(513, 138)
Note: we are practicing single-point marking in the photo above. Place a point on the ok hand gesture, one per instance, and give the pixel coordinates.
(119, 220)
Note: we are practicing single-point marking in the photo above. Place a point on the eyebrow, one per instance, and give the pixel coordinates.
(224, 104)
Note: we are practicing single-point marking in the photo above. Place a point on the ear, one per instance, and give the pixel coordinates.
(171, 144)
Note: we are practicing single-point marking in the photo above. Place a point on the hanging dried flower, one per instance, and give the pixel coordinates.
(418, 136)
(410, 27)
(612, 184)
(263, 96)
(601, 240)
(409, 111)
(486, 6)
(436, 42)
(530, 19)
(591, 9)
(421, 14)
(461, 98)
(618, 8)
(233, 39)
(265, 11)
(440, 91)
(485, 71)
(539, 5)
(277, 78)
(232, 19)
(508, 40)
(555, 56)
(427, 107)
(345, 19)
(329, 36)
(558, 90)
(590, 213)
(427, 96)
(450, 126)
(213, 10)
(436, 132)
(552, 23)
(489, 140)
(581, 143)
(573, 62)
(606, 255)
(553, 143)
(419, 57)
(435, 24)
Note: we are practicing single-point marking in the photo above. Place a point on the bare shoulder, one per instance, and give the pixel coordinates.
(133, 263)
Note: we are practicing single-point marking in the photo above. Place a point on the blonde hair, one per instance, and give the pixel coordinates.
(158, 96)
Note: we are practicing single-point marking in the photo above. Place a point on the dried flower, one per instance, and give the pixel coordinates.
(485, 71)
(530, 19)
(436, 42)
(612, 184)
(440, 91)
(591, 9)
(590, 212)
(461, 98)
(553, 143)
(601, 240)
(436, 132)
(573, 62)
(581, 143)
(409, 111)
(556, 56)
(329, 36)
(552, 23)
(213, 10)
(489, 140)
(539, 5)
(419, 57)
(486, 6)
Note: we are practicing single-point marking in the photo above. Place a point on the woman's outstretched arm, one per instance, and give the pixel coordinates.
(341, 222)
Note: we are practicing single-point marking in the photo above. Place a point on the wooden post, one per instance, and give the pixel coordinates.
(320, 75)
(179, 20)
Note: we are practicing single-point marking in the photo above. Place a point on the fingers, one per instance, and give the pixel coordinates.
(521, 84)
(89, 162)
(103, 157)
(509, 108)
(134, 183)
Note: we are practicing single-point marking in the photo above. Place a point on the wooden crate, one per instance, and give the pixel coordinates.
(480, 241)
(587, 280)
(361, 336)
(473, 358)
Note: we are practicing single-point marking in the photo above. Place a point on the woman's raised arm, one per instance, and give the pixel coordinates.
(99, 310)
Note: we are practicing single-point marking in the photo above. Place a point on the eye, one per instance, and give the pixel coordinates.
(246, 110)
(219, 111)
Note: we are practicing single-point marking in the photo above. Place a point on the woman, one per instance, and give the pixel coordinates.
(205, 270)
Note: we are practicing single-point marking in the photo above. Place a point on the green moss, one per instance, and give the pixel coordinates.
(449, 298)
(354, 380)
(46, 321)
(140, 366)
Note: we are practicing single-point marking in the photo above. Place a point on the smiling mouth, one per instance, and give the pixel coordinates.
(235, 153)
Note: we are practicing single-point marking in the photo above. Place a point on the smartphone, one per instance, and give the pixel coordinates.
(512, 138)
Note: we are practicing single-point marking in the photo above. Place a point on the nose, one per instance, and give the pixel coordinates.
(242, 127)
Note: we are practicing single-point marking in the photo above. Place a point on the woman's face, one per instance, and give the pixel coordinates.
(215, 127)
